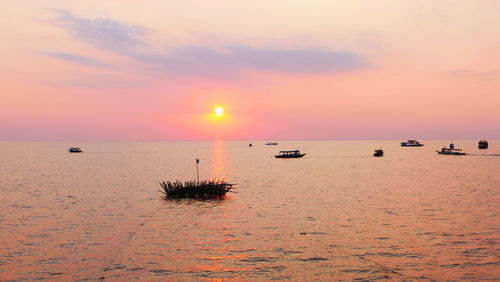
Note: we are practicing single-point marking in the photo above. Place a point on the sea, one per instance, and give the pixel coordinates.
(338, 213)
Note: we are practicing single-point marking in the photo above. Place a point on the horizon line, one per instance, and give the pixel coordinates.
(241, 140)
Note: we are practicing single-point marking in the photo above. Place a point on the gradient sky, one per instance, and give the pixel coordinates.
(282, 69)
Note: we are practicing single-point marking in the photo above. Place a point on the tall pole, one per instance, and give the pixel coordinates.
(197, 172)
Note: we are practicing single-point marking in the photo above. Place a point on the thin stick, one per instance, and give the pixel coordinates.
(197, 172)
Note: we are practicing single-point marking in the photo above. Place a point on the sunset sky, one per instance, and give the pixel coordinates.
(282, 69)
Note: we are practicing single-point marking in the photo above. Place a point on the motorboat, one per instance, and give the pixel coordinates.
(378, 153)
(483, 144)
(411, 143)
(271, 143)
(290, 154)
(75, 150)
(451, 151)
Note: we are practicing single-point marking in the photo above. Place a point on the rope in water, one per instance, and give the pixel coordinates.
(127, 242)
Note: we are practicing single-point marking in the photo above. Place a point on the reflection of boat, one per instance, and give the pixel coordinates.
(272, 143)
(483, 144)
(75, 150)
(378, 153)
(289, 154)
(451, 151)
(411, 143)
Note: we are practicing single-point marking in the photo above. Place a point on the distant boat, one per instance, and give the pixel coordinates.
(411, 143)
(250, 145)
(290, 154)
(451, 151)
(483, 144)
(271, 143)
(378, 153)
(75, 150)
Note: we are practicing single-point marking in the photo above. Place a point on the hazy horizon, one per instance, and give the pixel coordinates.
(253, 140)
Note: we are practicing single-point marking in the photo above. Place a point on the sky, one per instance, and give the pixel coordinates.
(281, 69)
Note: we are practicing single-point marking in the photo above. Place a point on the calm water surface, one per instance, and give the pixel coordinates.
(337, 213)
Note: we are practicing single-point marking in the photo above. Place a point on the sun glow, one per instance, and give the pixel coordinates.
(219, 111)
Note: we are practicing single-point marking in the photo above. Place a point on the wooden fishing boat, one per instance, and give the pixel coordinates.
(75, 150)
(411, 143)
(289, 154)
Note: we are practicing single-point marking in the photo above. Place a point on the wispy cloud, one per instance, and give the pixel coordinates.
(211, 61)
(470, 73)
(74, 58)
(102, 33)
(224, 61)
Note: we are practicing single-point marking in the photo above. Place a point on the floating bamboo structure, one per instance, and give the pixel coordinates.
(204, 189)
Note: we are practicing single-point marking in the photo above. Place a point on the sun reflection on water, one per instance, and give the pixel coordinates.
(218, 163)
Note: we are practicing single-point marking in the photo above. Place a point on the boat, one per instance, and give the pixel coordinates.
(271, 143)
(250, 145)
(411, 143)
(378, 153)
(75, 150)
(451, 151)
(290, 154)
(483, 144)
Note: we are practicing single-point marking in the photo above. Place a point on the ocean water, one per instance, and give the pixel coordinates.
(336, 214)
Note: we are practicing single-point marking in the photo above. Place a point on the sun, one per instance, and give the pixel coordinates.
(219, 111)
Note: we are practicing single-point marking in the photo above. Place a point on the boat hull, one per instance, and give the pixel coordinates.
(450, 153)
(289, 157)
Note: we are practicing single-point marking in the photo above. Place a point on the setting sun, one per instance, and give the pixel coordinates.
(219, 111)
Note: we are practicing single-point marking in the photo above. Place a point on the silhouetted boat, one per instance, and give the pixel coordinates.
(272, 143)
(290, 154)
(250, 145)
(378, 153)
(451, 151)
(411, 143)
(75, 150)
(483, 144)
